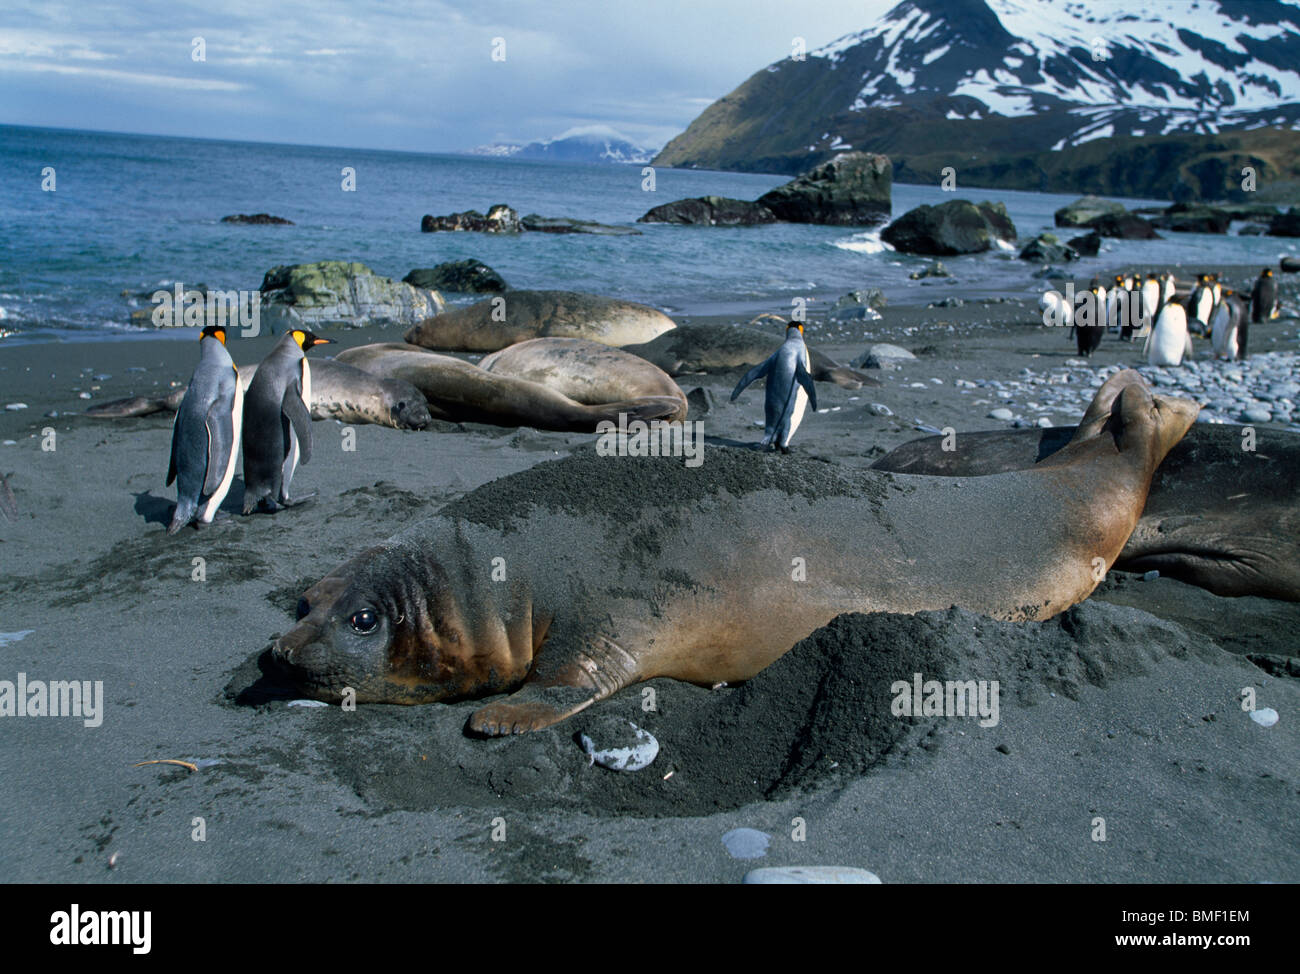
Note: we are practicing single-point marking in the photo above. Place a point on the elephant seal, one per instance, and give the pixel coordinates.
(727, 348)
(351, 395)
(539, 314)
(338, 391)
(461, 392)
(581, 576)
(1217, 516)
(587, 372)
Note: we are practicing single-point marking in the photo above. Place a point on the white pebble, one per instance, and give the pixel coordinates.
(746, 843)
(1265, 716)
(13, 407)
(306, 703)
(631, 758)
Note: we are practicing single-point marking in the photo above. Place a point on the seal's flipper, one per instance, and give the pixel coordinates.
(221, 442)
(805, 379)
(296, 412)
(753, 375)
(563, 681)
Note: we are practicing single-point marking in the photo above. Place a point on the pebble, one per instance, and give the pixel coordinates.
(746, 843)
(622, 745)
(83, 395)
(810, 875)
(1150, 576)
(1265, 716)
(13, 407)
(1002, 414)
(880, 409)
(12, 637)
(306, 703)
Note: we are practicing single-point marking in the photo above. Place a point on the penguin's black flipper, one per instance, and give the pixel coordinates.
(296, 412)
(221, 441)
(1243, 333)
(176, 442)
(805, 379)
(753, 375)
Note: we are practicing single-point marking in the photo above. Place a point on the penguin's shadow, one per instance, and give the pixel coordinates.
(711, 440)
(158, 510)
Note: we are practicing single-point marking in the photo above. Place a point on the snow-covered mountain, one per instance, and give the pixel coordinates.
(589, 143)
(1011, 76)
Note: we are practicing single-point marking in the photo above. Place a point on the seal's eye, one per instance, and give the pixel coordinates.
(364, 621)
(304, 608)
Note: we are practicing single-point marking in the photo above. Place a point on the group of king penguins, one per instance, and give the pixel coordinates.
(273, 422)
(1148, 308)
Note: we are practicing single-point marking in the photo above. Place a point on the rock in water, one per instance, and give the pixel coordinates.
(463, 276)
(500, 219)
(1123, 226)
(618, 744)
(710, 211)
(955, 227)
(853, 189)
(564, 224)
(810, 875)
(335, 292)
(746, 843)
(257, 219)
(1084, 210)
(1047, 248)
(1088, 245)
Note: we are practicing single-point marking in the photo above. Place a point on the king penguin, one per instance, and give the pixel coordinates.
(1090, 320)
(205, 433)
(1202, 304)
(1230, 327)
(1169, 340)
(1263, 300)
(277, 421)
(790, 388)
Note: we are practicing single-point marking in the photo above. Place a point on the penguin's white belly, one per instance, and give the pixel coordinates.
(237, 424)
(291, 461)
(800, 403)
(1168, 340)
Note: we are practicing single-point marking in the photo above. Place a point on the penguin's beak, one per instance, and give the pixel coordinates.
(319, 341)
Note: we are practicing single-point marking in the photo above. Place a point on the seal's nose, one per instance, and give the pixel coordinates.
(285, 649)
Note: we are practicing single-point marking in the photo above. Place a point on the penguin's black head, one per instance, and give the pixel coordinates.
(794, 325)
(1266, 272)
(214, 331)
(307, 340)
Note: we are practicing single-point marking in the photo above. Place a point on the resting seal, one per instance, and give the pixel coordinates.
(581, 576)
(539, 314)
(1220, 517)
(725, 348)
(338, 391)
(587, 372)
(461, 392)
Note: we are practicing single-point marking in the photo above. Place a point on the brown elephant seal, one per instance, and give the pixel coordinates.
(569, 581)
(338, 391)
(587, 372)
(517, 316)
(715, 348)
(461, 392)
(1218, 516)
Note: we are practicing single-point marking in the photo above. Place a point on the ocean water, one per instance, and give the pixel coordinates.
(131, 213)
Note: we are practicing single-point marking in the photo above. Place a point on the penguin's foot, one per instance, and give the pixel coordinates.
(221, 517)
(304, 499)
(785, 450)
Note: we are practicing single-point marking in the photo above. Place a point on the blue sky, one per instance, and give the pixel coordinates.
(412, 74)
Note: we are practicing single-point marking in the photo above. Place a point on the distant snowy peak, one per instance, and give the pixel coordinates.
(1142, 67)
(596, 143)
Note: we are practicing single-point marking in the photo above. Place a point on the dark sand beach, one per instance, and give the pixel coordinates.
(1126, 708)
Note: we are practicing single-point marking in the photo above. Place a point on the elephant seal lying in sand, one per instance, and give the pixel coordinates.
(461, 392)
(587, 372)
(726, 348)
(338, 391)
(569, 581)
(517, 316)
(1218, 516)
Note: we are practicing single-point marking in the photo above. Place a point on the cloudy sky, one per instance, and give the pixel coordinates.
(409, 74)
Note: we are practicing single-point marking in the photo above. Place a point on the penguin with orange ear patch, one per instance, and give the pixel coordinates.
(1263, 299)
(205, 433)
(277, 421)
(790, 388)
